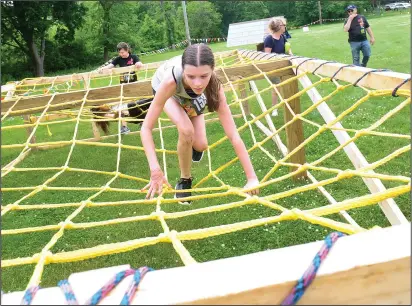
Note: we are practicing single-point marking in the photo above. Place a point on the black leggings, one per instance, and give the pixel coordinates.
(138, 109)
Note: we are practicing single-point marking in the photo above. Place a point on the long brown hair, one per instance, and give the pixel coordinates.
(99, 113)
(199, 55)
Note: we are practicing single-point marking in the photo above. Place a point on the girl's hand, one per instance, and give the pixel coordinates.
(253, 182)
(139, 65)
(157, 179)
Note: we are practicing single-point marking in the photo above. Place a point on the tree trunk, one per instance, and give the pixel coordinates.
(169, 25)
(186, 23)
(106, 29)
(106, 5)
(38, 59)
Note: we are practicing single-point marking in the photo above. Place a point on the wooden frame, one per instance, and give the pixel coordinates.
(138, 89)
(349, 74)
(372, 267)
(369, 268)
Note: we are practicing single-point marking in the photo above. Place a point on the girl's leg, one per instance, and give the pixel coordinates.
(186, 135)
(200, 139)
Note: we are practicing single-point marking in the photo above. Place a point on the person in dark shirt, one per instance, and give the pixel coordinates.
(124, 59)
(357, 26)
(276, 42)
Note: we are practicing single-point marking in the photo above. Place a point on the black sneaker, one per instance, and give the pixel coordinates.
(183, 184)
(196, 156)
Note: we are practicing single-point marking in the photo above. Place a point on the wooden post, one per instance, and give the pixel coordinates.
(243, 94)
(320, 12)
(96, 132)
(294, 132)
(29, 130)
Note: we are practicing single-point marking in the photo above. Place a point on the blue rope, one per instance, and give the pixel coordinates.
(304, 282)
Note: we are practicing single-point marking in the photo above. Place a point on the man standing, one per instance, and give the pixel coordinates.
(357, 26)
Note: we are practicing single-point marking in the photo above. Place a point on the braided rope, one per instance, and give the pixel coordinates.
(327, 62)
(29, 295)
(106, 289)
(397, 87)
(131, 291)
(68, 292)
(310, 274)
(308, 59)
(366, 73)
(337, 71)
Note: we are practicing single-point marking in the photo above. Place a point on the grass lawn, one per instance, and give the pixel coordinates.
(327, 42)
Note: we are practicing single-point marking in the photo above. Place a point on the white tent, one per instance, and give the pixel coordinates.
(247, 32)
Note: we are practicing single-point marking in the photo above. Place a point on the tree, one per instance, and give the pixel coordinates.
(106, 6)
(169, 11)
(25, 25)
(207, 13)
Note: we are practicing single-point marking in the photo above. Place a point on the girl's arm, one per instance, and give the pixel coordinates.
(166, 89)
(229, 126)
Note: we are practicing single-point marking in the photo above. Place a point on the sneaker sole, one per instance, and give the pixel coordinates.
(183, 202)
(198, 161)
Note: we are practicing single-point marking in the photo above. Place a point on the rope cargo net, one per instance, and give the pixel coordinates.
(216, 189)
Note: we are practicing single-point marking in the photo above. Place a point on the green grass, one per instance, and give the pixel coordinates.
(326, 42)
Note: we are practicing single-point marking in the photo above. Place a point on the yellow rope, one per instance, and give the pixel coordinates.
(314, 216)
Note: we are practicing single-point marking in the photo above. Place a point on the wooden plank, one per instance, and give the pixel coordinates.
(90, 74)
(50, 117)
(29, 130)
(138, 89)
(96, 132)
(375, 80)
(276, 137)
(351, 74)
(248, 70)
(243, 95)
(388, 206)
(371, 267)
(294, 131)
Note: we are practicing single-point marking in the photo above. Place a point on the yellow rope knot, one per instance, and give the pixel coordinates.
(163, 237)
(13, 206)
(48, 257)
(361, 132)
(346, 174)
(66, 224)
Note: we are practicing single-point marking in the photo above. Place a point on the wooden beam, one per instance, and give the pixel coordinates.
(371, 267)
(91, 74)
(138, 89)
(29, 130)
(50, 117)
(247, 70)
(294, 131)
(276, 138)
(96, 132)
(388, 206)
(374, 80)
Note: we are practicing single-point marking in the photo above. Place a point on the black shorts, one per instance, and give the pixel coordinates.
(138, 109)
(126, 78)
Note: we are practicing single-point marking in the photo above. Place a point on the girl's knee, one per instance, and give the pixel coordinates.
(200, 146)
(186, 133)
